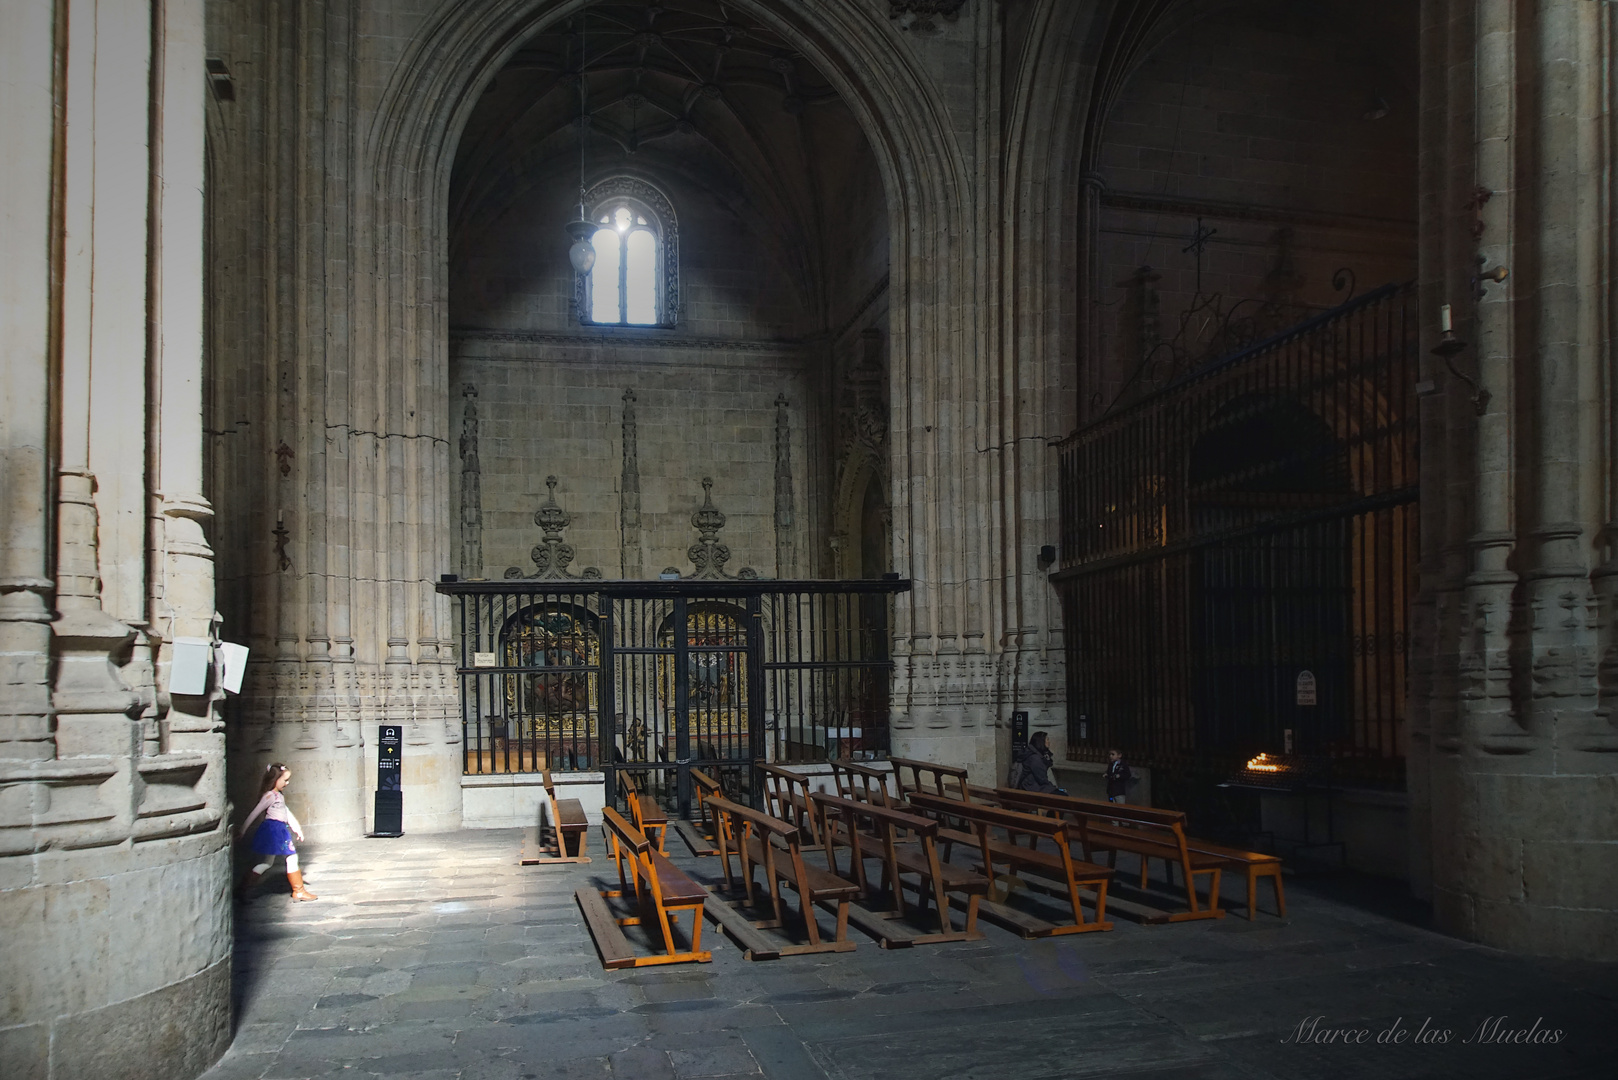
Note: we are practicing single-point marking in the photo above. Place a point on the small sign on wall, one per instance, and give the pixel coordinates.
(1019, 728)
(1306, 688)
(485, 659)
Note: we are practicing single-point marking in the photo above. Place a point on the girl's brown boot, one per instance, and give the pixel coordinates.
(298, 891)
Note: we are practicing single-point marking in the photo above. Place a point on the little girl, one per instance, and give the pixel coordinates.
(275, 835)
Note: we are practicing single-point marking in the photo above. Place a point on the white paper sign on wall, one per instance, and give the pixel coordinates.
(188, 665)
(232, 665)
(485, 659)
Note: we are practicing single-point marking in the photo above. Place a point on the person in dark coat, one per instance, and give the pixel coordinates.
(1118, 776)
(1036, 766)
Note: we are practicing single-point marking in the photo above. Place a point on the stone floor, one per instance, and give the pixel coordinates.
(440, 957)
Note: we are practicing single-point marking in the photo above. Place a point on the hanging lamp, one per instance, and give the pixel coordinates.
(582, 254)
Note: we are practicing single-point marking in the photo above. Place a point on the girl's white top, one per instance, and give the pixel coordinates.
(274, 808)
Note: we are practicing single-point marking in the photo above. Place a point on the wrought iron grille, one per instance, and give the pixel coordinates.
(1251, 522)
(655, 678)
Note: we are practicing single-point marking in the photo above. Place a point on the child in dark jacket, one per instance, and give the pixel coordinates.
(1118, 776)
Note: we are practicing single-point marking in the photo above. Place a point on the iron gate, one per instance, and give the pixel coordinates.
(653, 679)
(1251, 522)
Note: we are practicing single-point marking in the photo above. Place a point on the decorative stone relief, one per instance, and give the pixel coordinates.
(708, 555)
(862, 456)
(629, 493)
(785, 547)
(471, 487)
(553, 554)
(919, 14)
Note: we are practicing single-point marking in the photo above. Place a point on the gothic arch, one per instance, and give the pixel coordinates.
(939, 398)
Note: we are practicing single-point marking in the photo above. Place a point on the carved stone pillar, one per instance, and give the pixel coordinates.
(630, 557)
(786, 558)
(471, 487)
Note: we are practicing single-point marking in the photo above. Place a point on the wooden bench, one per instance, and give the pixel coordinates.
(786, 796)
(568, 834)
(929, 776)
(861, 782)
(874, 832)
(1070, 875)
(759, 840)
(644, 811)
(1143, 831)
(1252, 865)
(661, 889)
(699, 835)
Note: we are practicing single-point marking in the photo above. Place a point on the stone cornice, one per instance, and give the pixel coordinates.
(1233, 211)
(623, 340)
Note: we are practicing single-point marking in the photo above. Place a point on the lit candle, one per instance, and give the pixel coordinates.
(1443, 319)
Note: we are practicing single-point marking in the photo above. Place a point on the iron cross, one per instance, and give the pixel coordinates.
(1199, 240)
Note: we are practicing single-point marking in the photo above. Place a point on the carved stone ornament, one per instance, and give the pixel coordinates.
(552, 554)
(708, 555)
(919, 14)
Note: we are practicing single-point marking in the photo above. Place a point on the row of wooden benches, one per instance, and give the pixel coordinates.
(910, 832)
(1102, 827)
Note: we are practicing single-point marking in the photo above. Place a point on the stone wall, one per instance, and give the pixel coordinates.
(705, 396)
(1289, 136)
(115, 927)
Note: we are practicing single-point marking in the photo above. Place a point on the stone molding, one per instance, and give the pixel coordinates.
(623, 338)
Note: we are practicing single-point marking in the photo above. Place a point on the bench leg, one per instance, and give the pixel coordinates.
(1252, 894)
(972, 914)
(1280, 897)
(811, 927)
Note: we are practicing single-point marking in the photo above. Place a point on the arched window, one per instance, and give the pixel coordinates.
(635, 278)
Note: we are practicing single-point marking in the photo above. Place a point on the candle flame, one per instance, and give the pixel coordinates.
(1262, 763)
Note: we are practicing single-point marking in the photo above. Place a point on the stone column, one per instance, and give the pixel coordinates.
(112, 818)
(1513, 789)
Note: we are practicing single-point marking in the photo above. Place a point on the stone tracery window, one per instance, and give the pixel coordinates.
(635, 280)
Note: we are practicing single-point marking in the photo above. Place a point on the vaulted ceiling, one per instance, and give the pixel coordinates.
(685, 87)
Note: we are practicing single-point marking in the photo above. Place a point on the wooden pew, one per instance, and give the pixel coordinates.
(929, 776)
(1140, 830)
(874, 833)
(699, 835)
(861, 782)
(786, 796)
(644, 811)
(1252, 865)
(1058, 866)
(661, 889)
(569, 831)
(758, 839)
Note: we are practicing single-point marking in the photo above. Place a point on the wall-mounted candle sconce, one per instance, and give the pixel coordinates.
(1446, 348)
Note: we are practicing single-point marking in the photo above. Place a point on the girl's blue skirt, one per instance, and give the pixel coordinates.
(273, 838)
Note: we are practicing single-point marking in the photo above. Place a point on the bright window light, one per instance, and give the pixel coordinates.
(604, 278)
(625, 281)
(640, 279)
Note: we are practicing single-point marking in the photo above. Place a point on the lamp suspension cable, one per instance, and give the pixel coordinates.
(582, 254)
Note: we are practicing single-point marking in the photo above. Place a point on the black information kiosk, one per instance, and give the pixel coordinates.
(389, 788)
(1019, 729)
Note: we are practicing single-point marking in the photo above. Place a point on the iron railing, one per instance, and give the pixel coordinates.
(654, 678)
(1250, 523)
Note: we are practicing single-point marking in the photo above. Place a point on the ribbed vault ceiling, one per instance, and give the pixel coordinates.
(690, 87)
